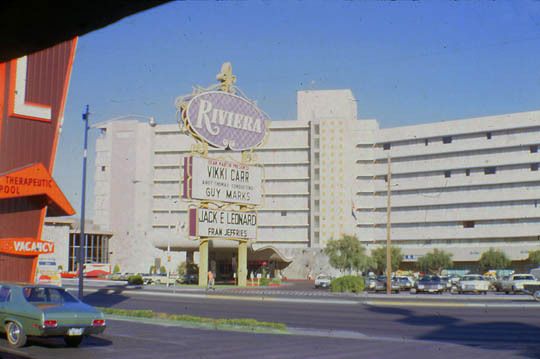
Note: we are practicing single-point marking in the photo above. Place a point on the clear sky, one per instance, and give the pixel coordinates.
(406, 62)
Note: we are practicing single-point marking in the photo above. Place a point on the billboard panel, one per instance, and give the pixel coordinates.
(224, 181)
(214, 223)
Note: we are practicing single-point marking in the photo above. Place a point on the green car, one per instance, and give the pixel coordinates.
(45, 311)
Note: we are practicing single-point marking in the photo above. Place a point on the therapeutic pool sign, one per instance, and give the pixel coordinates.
(213, 223)
(225, 181)
(225, 120)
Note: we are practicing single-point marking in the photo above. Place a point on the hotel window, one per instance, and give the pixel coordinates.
(447, 139)
(426, 142)
(386, 146)
(533, 148)
(490, 170)
(488, 135)
(534, 166)
(447, 174)
(283, 213)
(467, 172)
(468, 224)
(102, 168)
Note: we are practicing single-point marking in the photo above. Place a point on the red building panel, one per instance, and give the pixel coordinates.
(33, 91)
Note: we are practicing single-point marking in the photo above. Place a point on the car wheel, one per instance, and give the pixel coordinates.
(15, 335)
(73, 341)
(536, 295)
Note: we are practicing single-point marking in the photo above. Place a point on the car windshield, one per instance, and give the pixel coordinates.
(430, 279)
(472, 277)
(323, 277)
(524, 277)
(47, 295)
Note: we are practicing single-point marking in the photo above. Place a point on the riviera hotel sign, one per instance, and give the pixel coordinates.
(225, 120)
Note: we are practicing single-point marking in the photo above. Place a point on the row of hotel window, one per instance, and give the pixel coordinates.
(487, 171)
(448, 139)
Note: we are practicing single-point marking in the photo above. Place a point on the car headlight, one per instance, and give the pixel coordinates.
(420, 286)
(519, 285)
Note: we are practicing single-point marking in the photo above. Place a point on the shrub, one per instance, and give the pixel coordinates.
(116, 269)
(264, 281)
(135, 279)
(348, 283)
(275, 281)
(162, 270)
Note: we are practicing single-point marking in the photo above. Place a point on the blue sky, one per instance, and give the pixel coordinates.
(406, 62)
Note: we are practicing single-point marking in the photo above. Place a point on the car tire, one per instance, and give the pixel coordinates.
(536, 295)
(73, 341)
(15, 335)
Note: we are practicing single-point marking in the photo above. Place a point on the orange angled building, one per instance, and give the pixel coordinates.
(33, 91)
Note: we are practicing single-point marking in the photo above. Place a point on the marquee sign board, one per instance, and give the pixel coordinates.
(225, 120)
(225, 181)
(213, 223)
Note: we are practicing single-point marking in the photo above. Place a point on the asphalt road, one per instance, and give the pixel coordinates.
(326, 330)
(138, 341)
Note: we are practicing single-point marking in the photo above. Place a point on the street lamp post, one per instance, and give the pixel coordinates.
(82, 239)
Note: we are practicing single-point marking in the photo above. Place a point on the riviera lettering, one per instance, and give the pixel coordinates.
(211, 117)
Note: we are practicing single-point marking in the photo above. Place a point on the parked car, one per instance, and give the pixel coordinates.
(474, 283)
(405, 283)
(45, 311)
(502, 283)
(517, 281)
(430, 284)
(371, 283)
(445, 280)
(161, 278)
(188, 279)
(323, 281)
(380, 284)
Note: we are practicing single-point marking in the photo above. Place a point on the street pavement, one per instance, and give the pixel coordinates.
(135, 340)
(322, 325)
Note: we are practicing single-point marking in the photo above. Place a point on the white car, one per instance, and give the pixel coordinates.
(323, 281)
(519, 280)
(473, 283)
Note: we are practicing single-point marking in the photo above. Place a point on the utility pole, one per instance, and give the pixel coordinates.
(82, 238)
(388, 228)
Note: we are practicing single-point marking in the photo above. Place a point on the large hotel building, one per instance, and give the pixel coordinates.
(462, 186)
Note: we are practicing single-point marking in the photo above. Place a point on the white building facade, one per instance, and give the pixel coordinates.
(462, 186)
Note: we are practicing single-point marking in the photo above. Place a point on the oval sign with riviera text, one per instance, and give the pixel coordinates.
(225, 120)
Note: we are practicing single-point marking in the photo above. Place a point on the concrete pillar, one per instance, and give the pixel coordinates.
(189, 256)
(203, 263)
(242, 264)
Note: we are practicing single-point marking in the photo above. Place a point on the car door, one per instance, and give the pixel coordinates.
(5, 293)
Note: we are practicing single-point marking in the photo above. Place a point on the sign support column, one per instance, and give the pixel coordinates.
(203, 263)
(242, 263)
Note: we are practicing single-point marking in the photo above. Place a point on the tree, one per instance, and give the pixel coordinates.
(534, 258)
(347, 254)
(493, 259)
(434, 262)
(378, 258)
